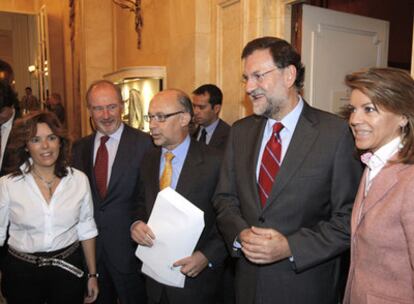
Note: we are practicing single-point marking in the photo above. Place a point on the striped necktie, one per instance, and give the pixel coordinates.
(270, 163)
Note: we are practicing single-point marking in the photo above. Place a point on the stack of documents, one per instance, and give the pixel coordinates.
(177, 225)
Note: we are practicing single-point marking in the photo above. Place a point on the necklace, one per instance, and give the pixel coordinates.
(49, 184)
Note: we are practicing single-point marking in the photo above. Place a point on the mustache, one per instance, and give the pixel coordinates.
(106, 120)
(256, 92)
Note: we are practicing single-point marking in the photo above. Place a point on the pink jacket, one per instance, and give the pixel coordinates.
(382, 242)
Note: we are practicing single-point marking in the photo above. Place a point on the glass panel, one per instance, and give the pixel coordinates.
(137, 94)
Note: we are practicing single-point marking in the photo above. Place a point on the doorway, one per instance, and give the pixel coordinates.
(24, 45)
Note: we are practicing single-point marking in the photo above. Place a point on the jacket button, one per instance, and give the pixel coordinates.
(261, 219)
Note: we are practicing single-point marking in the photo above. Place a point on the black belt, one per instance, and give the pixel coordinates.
(56, 260)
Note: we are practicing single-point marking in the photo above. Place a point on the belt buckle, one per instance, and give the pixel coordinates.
(43, 262)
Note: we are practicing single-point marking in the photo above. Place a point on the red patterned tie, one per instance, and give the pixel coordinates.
(101, 167)
(270, 163)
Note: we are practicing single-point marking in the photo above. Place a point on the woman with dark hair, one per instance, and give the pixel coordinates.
(381, 117)
(49, 208)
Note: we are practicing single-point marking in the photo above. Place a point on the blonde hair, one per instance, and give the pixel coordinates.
(393, 90)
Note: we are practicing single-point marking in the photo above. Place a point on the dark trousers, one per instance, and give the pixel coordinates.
(225, 291)
(200, 290)
(163, 300)
(26, 283)
(128, 288)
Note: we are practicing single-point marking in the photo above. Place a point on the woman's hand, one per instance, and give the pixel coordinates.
(93, 290)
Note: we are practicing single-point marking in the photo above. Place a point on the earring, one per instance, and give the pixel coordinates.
(403, 130)
(403, 135)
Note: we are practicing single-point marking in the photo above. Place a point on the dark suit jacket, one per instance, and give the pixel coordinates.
(3, 164)
(114, 214)
(6, 151)
(197, 182)
(220, 135)
(310, 203)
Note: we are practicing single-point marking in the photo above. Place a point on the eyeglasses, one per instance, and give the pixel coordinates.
(160, 117)
(257, 77)
(110, 108)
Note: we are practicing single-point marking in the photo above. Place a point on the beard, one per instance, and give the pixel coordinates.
(270, 107)
(271, 110)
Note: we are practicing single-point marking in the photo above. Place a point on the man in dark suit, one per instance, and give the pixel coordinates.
(194, 170)
(286, 187)
(212, 130)
(9, 111)
(207, 100)
(115, 192)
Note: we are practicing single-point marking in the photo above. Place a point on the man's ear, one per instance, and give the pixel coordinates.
(185, 119)
(290, 75)
(217, 108)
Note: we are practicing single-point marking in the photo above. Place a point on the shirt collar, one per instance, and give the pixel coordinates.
(291, 119)
(24, 167)
(385, 153)
(116, 135)
(181, 150)
(210, 128)
(8, 124)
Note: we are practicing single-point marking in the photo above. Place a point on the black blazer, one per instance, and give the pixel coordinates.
(219, 138)
(115, 213)
(196, 183)
(6, 151)
(4, 162)
(310, 203)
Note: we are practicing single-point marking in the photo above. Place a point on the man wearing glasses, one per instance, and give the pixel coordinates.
(192, 169)
(286, 187)
(111, 157)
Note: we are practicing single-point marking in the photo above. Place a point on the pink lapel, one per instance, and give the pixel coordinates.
(386, 179)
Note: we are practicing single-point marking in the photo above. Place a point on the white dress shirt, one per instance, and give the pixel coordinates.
(289, 125)
(38, 226)
(111, 145)
(379, 159)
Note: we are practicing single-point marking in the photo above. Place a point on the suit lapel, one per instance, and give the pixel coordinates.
(152, 174)
(120, 165)
(255, 132)
(195, 133)
(304, 136)
(88, 165)
(193, 159)
(386, 179)
(217, 134)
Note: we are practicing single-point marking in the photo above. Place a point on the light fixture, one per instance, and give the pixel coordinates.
(31, 68)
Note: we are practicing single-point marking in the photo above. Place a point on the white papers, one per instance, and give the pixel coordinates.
(177, 225)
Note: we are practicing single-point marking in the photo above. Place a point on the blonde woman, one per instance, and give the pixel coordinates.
(382, 244)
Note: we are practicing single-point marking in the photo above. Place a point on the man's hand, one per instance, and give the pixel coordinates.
(142, 234)
(264, 245)
(191, 266)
